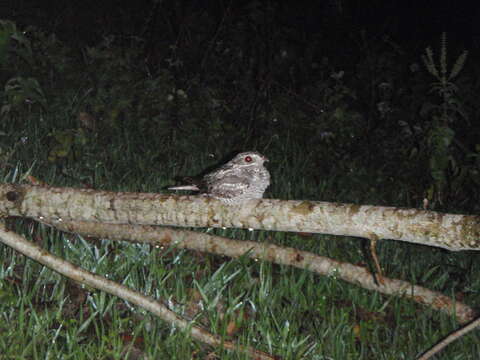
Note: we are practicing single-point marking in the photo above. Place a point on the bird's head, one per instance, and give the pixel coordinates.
(249, 158)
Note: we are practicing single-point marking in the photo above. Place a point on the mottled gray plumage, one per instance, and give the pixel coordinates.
(242, 178)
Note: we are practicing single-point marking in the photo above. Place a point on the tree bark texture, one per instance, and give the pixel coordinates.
(449, 231)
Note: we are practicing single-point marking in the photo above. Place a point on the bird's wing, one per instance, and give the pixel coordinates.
(185, 187)
(228, 187)
(221, 173)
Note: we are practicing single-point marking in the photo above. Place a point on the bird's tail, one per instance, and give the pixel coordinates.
(185, 187)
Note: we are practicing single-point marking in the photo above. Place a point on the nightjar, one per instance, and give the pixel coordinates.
(242, 178)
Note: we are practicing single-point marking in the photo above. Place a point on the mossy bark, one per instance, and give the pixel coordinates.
(449, 231)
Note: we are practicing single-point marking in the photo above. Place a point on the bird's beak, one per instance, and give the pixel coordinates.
(265, 159)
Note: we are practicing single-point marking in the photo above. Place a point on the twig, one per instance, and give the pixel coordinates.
(357, 275)
(76, 273)
(373, 252)
(449, 339)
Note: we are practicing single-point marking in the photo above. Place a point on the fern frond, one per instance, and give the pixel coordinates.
(458, 66)
(429, 63)
(443, 55)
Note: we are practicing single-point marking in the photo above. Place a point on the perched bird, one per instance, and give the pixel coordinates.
(242, 178)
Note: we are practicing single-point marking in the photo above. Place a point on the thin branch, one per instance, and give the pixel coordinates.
(449, 339)
(78, 274)
(159, 236)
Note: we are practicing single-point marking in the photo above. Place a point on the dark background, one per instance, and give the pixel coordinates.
(250, 74)
(414, 23)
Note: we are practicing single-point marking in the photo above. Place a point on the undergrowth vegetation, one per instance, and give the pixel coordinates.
(127, 113)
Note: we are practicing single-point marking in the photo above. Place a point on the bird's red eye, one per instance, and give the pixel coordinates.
(248, 159)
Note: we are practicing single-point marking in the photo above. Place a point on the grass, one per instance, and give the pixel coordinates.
(284, 311)
(288, 312)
